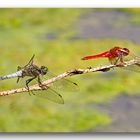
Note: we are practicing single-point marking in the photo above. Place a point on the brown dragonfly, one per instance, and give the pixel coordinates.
(36, 73)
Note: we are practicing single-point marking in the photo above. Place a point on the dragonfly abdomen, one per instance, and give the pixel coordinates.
(13, 75)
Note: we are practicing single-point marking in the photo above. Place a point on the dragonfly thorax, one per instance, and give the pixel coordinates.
(43, 70)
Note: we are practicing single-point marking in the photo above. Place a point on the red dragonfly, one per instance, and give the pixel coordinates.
(114, 55)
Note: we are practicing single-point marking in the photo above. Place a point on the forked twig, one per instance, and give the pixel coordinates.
(67, 74)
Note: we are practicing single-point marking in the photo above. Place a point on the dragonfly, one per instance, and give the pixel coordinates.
(114, 55)
(118, 54)
(35, 73)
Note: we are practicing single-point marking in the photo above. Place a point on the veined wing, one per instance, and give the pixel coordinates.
(134, 67)
(49, 94)
(19, 72)
(66, 85)
(29, 63)
(62, 84)
(13, 75)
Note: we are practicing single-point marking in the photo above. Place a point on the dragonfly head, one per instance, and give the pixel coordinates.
(43, 70)
(125, 51)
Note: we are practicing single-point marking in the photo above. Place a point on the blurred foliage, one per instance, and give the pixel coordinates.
(47, 33)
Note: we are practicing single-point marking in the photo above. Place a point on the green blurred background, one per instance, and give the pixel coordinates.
(59, 38)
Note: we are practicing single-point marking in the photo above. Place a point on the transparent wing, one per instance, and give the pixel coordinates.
(31, 61)
(134, 67)
(28, 64)
(49, 94)
(63, 84)
(66, 85)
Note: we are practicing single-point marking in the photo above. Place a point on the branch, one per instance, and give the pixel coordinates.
(73, 72)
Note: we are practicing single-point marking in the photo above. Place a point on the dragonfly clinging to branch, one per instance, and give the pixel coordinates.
(35, 72)
(116, 56)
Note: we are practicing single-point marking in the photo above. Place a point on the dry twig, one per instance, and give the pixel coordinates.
(67, 74)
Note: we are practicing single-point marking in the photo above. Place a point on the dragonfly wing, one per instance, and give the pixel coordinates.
(62, 84)
(30, 62)
(135, 68)
(66, 85)
(49, 94)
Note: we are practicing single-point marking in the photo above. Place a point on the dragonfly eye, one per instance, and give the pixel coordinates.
(43, 70)
(125, 51)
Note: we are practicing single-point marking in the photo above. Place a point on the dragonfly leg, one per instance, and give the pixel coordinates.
(122, 63)
(18, 68)
(89, 67)
(18, 79)
(121, 59)
(40, 83)
(39, 80)
(27, 83)
(116, 60)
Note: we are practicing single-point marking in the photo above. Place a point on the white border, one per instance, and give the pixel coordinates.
(72, 137)
(75, 4)
(70, 3)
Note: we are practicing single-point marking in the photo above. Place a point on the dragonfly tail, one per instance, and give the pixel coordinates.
(105, 54)
(13, 75)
